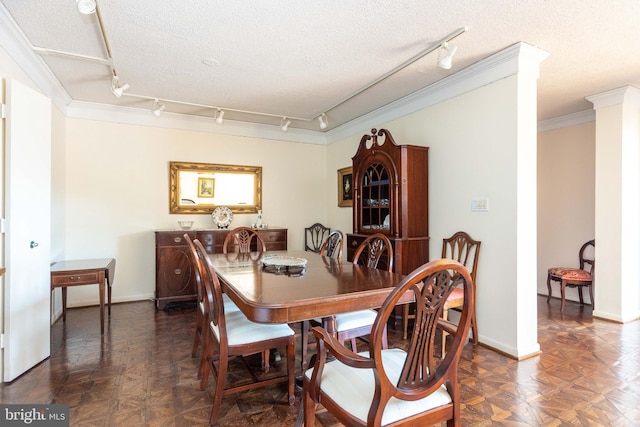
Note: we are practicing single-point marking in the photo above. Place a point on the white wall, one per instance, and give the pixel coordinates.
(117, 193)
(566, 199)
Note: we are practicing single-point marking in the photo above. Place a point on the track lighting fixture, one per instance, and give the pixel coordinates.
(322, 118)
(157, 108)
(219, 116)
(284, 124)
(86, 7)
(445, 61)
(117, 88)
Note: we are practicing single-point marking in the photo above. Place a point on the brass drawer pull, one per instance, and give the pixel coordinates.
(177, 271)
(177, 239)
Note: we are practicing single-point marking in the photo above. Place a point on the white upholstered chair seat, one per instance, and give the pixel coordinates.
(241, 330)
(352, 388)
(352, 320)
(229, 305)
(355, 319)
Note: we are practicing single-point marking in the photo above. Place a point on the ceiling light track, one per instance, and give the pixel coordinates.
(405, 64)
(215, 107)
(84, 6)
(47, 51)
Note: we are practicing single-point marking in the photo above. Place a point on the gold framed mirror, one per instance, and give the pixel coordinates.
(198, 188)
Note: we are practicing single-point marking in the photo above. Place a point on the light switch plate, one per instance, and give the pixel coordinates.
(480, 205)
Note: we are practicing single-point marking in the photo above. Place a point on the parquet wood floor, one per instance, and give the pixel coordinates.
(142, 374)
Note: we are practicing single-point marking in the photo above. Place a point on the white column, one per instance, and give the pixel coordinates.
(617, 204)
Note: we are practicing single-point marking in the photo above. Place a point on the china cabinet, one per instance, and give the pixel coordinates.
(175, 280)
(391, 197)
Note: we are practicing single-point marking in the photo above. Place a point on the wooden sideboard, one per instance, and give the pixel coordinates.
(175, 278)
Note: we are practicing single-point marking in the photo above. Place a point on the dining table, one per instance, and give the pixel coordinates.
(292, 286)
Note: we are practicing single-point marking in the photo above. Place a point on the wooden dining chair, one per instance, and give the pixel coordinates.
(314, 237)
(241, 239)
(575, 277)
(233, 335)
(332, 246)
(202, 316)
(374, 251)
(462, 248)
(394, 386)
(331, 251)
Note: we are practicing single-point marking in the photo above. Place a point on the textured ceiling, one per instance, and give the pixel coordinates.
(299, 58)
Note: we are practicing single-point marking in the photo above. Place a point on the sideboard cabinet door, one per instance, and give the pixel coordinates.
(175, 278)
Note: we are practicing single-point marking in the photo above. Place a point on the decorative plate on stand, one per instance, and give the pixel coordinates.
(222, 216)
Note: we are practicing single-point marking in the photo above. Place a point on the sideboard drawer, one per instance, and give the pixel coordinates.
(173, 238)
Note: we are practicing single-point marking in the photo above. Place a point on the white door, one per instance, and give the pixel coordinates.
(28, 229)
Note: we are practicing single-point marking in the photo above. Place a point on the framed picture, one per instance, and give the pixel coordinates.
(345, 187)
(205, 187)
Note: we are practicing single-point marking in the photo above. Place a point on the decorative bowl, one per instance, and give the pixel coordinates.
(185, 225)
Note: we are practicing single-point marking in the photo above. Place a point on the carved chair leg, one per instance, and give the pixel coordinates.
(548, 287)
(562, 289)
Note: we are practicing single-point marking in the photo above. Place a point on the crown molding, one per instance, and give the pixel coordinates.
(143, 117)
(567, 120)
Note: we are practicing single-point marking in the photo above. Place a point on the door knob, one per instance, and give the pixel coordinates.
(33, 244)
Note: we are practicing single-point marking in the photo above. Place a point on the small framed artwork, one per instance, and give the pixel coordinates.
(345, 187)
(205, 187)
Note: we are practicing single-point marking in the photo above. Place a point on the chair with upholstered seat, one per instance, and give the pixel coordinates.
(374, 251)
(575, 277)
(393, 386)
(233, 335)
(462, 248)
(241, 240)
(331, 251)
(314, 237)
(202, 316)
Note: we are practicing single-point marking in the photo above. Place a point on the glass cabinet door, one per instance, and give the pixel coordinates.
(375, 199)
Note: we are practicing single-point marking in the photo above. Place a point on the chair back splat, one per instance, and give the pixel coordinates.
(373, 250)
(241, 239)
(314, 237)
(392, 386)
(332, 247)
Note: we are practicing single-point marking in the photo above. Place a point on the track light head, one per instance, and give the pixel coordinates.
(219, 116)
(157, 108)
(116, 88)
(284, 124)
(446, 61)
(322, 118)
(86, 7)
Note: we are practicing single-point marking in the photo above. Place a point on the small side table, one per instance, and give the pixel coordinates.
(84, 272)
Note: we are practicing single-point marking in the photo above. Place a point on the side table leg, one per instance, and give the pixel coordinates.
(101, 290)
